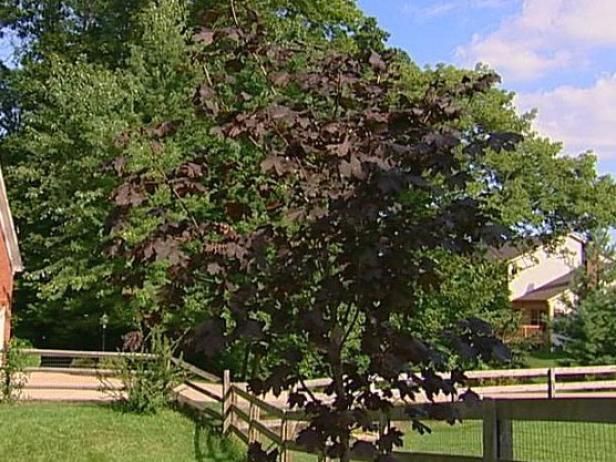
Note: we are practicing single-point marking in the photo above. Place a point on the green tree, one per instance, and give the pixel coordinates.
(471, 286)
(331, 192)
(590, 327)
(56, 164)
(88, 71)
(275, 176)
(92, 70)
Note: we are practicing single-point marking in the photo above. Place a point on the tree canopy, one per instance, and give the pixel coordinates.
(89, 70)
(589, 329)
(270, 174)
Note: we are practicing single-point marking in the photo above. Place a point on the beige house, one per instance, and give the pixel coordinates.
(540, 280)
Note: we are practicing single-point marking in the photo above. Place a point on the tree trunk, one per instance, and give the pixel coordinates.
(338, 378)
(245, 363)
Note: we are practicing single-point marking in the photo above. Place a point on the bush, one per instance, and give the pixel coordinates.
(83, 363)
(106, 363)
(12, 366)
(148, 382)
(109, 363)
(591, 329)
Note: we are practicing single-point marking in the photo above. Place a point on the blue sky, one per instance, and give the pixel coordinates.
(559, 56)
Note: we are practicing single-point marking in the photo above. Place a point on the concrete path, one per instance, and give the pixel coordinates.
(64, 386)
(61, 386)
(79, 387)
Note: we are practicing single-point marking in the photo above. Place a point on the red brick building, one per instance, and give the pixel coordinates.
(10, 264)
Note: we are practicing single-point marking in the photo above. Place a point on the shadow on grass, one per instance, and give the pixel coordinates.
(208, 443)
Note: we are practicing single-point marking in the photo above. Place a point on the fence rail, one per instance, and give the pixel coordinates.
(497, 416)
(554, 379)
(252, 418)
(83, 354)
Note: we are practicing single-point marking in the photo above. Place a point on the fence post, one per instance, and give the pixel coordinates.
(383, 424)
(285, 435)
(551, 383)
(505, 439)
(226, 401)
(254, 413)
(497, 434)
(233, 398)
(490, 431)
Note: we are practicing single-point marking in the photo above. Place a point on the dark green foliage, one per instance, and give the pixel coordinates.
(591, 326)
(139, 65)
(12, 367)
(471, 286)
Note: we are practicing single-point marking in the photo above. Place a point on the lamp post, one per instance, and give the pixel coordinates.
(104, 320)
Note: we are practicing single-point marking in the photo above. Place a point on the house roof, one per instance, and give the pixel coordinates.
(549, 290)
(8, 229)
(510, 251)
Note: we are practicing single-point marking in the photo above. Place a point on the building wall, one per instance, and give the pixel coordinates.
(535, 269)
(6, 290)
(562, 305)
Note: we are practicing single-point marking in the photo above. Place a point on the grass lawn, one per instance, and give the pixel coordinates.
(97, 433)
(547, 358)
(93, 433)
(532, 441)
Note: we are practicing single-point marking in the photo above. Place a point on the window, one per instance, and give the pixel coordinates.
(536, 317)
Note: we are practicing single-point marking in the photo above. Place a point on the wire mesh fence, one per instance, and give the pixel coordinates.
(533, 441)
(543, 441)
(462, 439)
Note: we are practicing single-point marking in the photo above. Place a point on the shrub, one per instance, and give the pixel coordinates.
(12, 370)
(83, 363)
(148, 382)
(107, 363)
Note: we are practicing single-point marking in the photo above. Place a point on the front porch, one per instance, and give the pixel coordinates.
(535, 317)
(529, 331)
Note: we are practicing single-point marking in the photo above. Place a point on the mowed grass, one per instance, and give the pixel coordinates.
(97, 433)
(93, 433)
(546, 358)
(533, 441)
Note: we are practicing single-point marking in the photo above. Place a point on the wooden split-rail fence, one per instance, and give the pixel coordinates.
(583, 394)
(252, 419)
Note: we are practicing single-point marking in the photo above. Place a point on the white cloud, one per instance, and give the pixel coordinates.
(490, 4)
(428, 12)
(443, 8)
(8, 41)
(583, 118)
(546, 35)
(591, 21)
(519, 60)
(438, 9)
